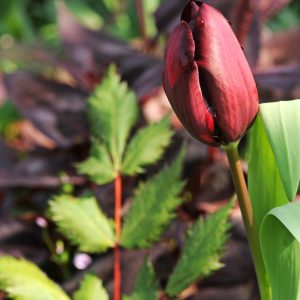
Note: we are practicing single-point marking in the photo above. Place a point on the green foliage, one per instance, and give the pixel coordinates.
(286, 18)
(282, 125)
(126, 23)
(8, 115)
(91, 288)
(202, 251)
(280, 243)
(98, 166)
(265, 187)
(153, 206)
(273, 179)
(82, 221)
(146, 147)
(113, 112)
(145, 287)
(23, 20)
(22, 280)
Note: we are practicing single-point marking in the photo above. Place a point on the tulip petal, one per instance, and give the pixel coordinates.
(190, 11)
(224, 72)
(181, 84)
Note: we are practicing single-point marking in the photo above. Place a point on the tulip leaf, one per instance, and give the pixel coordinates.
(264, 182)
(153, 206)
(91, 288)
(98, 166)
(146, 147)
(145, 287)
(282, 124)
(82, 222)
(280, 244)
(113, 112)
(22, 280)
(202, 251)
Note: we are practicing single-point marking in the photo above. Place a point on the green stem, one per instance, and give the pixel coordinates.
(248, 218)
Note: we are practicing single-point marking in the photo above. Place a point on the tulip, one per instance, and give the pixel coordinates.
(207, 78)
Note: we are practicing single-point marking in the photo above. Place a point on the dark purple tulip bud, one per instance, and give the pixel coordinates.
(207, 78)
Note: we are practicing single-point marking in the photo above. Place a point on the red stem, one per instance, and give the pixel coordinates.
(212, 154)
(117, 260)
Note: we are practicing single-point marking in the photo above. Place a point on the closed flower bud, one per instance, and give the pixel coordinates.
(207, 78)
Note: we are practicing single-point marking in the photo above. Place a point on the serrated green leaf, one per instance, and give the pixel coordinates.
(113, 111)
(146, 147)
(280, 244)
(82, 222)
(98, 166)
(202, 251)
(282, 124)
(145, 287)
(153, 206)
(22, 280)
(265, 186)
(91, 288)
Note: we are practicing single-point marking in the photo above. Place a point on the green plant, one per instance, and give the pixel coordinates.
(116, 153)
(217, 108)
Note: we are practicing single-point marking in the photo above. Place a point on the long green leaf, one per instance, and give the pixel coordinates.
(146, 147)
(145, 287)
(82, 221)
(98, 166)
(91, 288)
(113, 111)
(280, 243)
(22, 280)
(153, 206)
(202, 251)
(282, 124)
(264, 183)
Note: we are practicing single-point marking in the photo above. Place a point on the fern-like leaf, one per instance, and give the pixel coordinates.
(146, 147)
(202, 251)
(113, 111)
(153, 206)
(91, 288)
(145, 287)
(83, 222)
(98, 166)
(22, 280)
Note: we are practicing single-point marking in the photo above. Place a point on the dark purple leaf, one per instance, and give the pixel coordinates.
(56, 109)
(90, 52)
(41, 170)
(90, 44)
(278, 83)
(7, 156)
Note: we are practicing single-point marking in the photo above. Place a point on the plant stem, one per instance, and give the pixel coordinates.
(117, 256)
(248, 218)
(139, 5)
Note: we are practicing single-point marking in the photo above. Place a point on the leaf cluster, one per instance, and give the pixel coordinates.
(273, 180)
(113, 113)
(23, 280)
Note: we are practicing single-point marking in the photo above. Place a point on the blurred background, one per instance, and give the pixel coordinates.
(52, 55)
